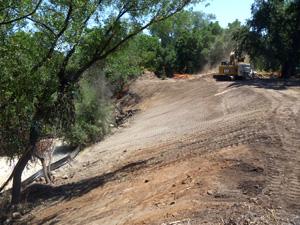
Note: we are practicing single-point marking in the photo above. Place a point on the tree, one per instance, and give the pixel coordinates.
(271, 36)
(46, 48)
(187, 42)
(130, 62)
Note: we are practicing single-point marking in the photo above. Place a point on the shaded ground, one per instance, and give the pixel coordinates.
(198, 152)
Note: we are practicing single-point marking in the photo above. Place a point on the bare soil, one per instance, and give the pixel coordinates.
(197, 152)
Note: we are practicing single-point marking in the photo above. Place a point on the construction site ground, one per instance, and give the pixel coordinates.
(197, 152)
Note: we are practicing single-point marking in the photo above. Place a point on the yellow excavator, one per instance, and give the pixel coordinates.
(235, 69)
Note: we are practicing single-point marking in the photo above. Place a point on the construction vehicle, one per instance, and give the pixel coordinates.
(235, 69)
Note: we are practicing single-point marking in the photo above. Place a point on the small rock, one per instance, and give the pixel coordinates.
(210, 192)
(85, 164)
(65, 177)
(253, 200)
(219, 195)
(157, 204)
(172, 203)
(146, 181)
(16, 215)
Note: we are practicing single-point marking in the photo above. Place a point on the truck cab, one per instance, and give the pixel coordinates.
(244, 71)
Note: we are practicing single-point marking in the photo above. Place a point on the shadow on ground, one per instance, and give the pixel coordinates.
(275, 84)
(36, 193)
(64, 150)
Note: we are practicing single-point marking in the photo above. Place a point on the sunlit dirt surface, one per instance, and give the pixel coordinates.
(183, 76)
(198, 152)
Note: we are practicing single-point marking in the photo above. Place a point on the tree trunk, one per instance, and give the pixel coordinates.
(17, 180)
(287, 70)
(18, 170)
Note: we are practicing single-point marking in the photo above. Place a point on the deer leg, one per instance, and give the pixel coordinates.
(45, 171)
(49, 168)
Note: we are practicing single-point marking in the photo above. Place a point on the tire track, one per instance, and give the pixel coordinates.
(284, 164)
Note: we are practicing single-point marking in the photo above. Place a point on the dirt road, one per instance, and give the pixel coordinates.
(198, 152)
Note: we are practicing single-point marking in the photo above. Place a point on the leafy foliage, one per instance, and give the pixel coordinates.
(93, 112)
(130, 61)
(185, 43)
(46, 48)
(190, 41)
(271, 36)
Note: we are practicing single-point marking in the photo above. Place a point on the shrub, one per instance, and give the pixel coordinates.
(93, 112)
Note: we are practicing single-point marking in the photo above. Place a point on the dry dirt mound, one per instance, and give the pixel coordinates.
(198, 152)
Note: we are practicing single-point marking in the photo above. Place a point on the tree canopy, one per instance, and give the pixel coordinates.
(271, 37)
(46, 48)
(191, 41)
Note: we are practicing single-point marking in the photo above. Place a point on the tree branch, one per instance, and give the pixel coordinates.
(24, 16)
(111, 28)
(61, 73)
(42, 24)
(51, 50)
(99, 55)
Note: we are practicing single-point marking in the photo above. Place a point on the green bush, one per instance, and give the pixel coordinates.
(93, 113)
(128, 63)
(93, 107)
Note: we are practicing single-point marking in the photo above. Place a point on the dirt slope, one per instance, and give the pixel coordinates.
(198, 152)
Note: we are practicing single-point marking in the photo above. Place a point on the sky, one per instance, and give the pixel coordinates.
(226, 11)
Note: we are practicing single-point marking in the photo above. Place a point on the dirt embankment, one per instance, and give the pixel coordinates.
(198, 152)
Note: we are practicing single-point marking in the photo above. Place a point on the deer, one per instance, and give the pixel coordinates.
(43, 150)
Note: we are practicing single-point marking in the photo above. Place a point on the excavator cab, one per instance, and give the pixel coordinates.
(235, 69)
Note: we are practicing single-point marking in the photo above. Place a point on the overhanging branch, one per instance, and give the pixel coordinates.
(102, 55)
(57, 36)
(24, 16)
(42, 25)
